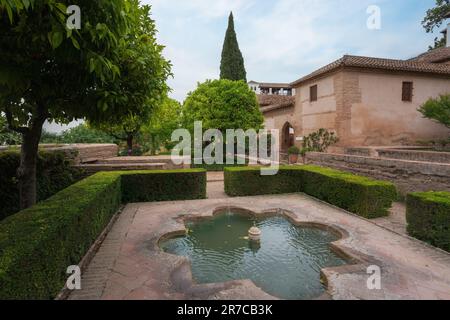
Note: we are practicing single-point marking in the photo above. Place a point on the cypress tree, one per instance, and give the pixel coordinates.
(232, 64)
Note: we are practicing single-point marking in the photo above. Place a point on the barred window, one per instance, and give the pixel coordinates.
(313, 93)
(407, 91)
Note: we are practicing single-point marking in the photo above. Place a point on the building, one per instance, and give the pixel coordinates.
(281, 89)
(366, 101)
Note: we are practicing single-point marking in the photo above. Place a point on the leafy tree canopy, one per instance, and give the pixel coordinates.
(166, 119)
(8, 137)
(438, 110)
(435, 18)
(80, 134)
(223, 104)
(50, 72)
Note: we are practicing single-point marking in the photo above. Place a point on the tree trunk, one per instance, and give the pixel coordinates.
(153, 144)
(130, 144)
(26, 172)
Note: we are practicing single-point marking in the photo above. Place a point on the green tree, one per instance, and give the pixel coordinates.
(79, 134)
(223, 104)
(8, 137)
(50, 72)
(437, 109)
(143, 80)
(434, 18)
(165, 120)
(126, 131)
(232, 64)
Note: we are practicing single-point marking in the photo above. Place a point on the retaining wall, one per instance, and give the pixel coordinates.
(408, 176)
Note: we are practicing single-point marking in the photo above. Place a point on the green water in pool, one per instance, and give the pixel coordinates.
(286, 263)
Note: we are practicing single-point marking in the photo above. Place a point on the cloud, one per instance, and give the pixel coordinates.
(284, 39)
(204, 9)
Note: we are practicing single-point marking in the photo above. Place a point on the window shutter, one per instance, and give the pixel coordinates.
(407, 91)
(313, 93)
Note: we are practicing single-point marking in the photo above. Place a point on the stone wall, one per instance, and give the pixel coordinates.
(408, 176)
(87, 152)
(415, 155)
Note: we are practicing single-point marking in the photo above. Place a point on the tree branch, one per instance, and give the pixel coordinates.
(115, 136)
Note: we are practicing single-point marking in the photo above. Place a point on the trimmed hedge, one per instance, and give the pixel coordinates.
(54, 173)
(363, 196)
(428, 217)
(366, 197)
(38, 244)
(147, 186)
(248, 181)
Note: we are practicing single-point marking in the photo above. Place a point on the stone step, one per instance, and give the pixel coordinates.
(98, 167)
(143, 159)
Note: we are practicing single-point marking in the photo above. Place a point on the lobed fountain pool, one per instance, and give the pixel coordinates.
(286, 263)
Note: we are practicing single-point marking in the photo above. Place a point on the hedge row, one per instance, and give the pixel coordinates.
(54, 173)
(248, 181)
(366, 197)
(428, 217)
(147, 186)
(38, 244)
(363, 196)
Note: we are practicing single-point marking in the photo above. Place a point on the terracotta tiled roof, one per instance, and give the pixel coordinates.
(434, 56)
(378, 63)
(274, 102)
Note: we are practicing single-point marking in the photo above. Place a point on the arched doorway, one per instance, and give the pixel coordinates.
(288, 137)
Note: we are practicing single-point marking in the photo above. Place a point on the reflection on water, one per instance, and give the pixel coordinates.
(286, 263)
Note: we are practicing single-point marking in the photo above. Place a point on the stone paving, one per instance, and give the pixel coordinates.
(130, 265)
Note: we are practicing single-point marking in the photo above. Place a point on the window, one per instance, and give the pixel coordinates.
(313, 93)
(407, 91)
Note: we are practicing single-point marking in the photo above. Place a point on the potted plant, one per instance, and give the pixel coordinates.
(303, 154)
(293, 154)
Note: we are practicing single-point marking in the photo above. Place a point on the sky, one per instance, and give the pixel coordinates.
(281, 40)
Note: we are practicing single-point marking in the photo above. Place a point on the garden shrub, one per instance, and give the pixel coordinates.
(248, 181)
(363, 196)
(38, 244)
(428, 217)
(54, 173)
(145, 186)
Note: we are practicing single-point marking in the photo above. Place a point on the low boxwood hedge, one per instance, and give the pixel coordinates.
(147, 186)
(38, 244)
(363, 196)
(428, 217)
(248, 181)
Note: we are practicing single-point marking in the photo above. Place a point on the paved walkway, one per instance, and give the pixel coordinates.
(215, 186)
(130, 265)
